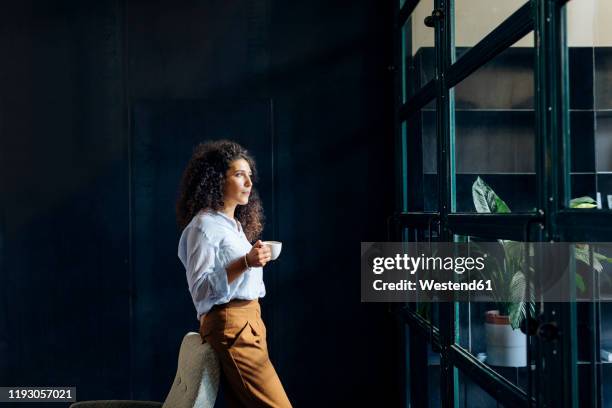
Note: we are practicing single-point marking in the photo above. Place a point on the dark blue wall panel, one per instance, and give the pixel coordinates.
(64, 278)
(100, 108)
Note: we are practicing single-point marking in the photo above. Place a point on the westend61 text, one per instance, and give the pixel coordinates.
(429, 285)
(427, 263)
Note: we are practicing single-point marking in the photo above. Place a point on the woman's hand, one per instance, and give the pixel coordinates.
(259, 255)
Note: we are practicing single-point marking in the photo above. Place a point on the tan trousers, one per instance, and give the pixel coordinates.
(238, 335)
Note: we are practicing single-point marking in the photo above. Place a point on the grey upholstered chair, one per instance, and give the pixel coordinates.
(195, 385)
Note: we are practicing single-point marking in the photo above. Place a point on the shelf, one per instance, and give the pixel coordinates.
(597, 362)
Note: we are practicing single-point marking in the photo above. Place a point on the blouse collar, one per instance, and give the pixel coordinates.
(234, 222)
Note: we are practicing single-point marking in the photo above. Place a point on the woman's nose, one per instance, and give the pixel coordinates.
(248, 182)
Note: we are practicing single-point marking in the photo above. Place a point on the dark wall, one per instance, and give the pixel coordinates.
(100, 107)
(64, 280)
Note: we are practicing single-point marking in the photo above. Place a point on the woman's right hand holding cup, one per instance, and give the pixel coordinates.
(259, 255)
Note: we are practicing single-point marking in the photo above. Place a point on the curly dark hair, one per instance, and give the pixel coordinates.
(203, 182)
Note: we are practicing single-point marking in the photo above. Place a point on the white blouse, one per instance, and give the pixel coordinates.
(208, 244)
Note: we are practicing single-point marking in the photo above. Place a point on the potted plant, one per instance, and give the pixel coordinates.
(506, 344)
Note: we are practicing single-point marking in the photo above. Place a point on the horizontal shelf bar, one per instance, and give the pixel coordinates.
(424, 95)
(495, 226)
(491, 381)
(585, 225)
(507, 33)
(494, 110)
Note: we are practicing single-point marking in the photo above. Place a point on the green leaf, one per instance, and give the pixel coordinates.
(580, 283)
(584, 205)
(517, 287)
(518, 312)
(515, 314)
(513, 251)
(581, 253)
(583, 202)
(602, 257)
(500, 205)
(485, 199)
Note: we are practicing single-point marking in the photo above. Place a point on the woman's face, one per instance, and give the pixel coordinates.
(237, 183)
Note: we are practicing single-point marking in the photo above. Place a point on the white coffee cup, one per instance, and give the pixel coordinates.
(275, 248)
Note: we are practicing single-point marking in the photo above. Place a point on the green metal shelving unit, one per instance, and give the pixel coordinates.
(555, 381)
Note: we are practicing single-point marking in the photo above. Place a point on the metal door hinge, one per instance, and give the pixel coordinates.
(436, 15)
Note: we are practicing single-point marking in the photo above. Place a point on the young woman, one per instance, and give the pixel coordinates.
(220, 214)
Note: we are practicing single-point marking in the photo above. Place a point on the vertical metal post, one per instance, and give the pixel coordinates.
(401, 201)
(558, 357)
(446, 188)
(397, 69)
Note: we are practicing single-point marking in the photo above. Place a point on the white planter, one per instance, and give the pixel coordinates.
(505, 347)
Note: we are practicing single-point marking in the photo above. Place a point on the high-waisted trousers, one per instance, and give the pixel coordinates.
(238, 335)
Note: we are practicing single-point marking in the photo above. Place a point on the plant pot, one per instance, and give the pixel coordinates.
(506, 347)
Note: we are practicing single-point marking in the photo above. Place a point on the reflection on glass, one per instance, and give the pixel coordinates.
(590, 81)
(495, 131)
(417, 50)
(474, 19)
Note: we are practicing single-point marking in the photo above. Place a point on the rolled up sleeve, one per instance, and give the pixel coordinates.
(206, 277)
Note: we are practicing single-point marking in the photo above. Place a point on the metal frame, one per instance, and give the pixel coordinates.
(515, 27)
(552, 221)
(557, 360)
(514, 226)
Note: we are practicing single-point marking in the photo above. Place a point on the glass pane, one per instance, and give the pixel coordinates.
(485, 328)
(472, 396)
(508, 356)
(594, 324)
(425, 376)
(606, 350)
(474, 19)
(421, 164)
(433, 378)
(590, 80)
(417, 50)
(427, 310)
(495, 131)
